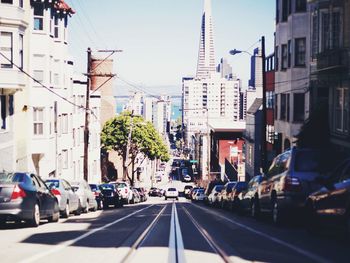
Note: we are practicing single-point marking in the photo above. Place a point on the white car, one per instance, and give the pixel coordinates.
(187, 178)
(125, 191)
(171, 193)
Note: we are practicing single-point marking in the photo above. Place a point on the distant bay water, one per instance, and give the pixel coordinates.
(175, 106)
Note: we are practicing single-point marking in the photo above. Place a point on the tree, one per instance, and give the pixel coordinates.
(145, 141)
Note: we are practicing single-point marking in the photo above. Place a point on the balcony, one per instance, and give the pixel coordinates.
(332, 60)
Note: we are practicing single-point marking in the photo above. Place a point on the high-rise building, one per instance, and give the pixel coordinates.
(206, 59)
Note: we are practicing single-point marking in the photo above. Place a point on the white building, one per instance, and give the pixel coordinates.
(291, 71)
(135, 104)
(14, 37)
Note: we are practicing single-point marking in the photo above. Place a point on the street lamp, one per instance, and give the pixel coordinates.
(263, 128)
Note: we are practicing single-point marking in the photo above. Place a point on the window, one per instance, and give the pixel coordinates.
(335, 41)
(38, 75)
(283, 107)
(65, 159)
(20, 3)
(65, 123)
(315, 35)
(300, 51)
(7, 2)
(6, 49)
(285, 11)
(326, 32)
(300, 6)
(276, 106)
(270, 97)
(284, 57)
(74, 138)
(38, 16)
(20, 51)
(38, 121)
(289, 53)
(56, 79)
(3, 107)
(299, 107)
(56, 27)
(276, 58)
(341, 110)
(287, 106)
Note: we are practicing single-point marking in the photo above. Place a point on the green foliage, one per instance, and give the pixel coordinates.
(145, 139)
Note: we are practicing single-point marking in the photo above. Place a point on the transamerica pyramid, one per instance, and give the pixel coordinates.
(206, 58)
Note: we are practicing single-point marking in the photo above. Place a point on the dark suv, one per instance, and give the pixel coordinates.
(290, 179)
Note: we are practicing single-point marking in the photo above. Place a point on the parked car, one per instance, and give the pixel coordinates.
(124, 190)
(142, 193)
(110, 196)
(136, 198)
(330, 205)
(87, 199)
(154, 192)
(171, 193)
(187, 178)
(25, 196)
(224, 194)
(200, 195)
(213, 196)
(98, 195)
(249, 198)
(193, 191)
(289, 181)
(233, 203)
(187, 191)
(68, 200)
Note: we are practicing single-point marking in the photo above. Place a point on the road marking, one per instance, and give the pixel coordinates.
(71, 242)
(176, 245)
(142, 237)
(274, 239)
(208, 238)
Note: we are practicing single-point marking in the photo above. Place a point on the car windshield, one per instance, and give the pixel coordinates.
(121, 185)
(171, 189)
(10, 178)
(307, 161)
(106, 187)
(52, 183)
(93, 187)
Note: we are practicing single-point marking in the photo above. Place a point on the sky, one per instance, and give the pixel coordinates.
(160, 38)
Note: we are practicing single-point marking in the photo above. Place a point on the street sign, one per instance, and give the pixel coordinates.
(193, 161)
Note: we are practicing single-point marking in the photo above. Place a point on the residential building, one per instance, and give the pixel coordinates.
(330, 69)
(135, 103)
(14, 46)
(292, 50)
(253, 139)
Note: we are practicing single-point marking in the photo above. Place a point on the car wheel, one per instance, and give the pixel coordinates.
(35, 220)
(255, 209)
(56, 214)
(65, 213)
(277, 215)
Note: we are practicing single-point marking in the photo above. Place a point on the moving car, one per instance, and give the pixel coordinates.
(171, 193)
(154, 192)
(110, 196)
(330, 205)
(290, 179)
(25, 196)
(87, 199)
(68, 200)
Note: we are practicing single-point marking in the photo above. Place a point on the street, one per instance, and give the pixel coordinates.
(166, 231)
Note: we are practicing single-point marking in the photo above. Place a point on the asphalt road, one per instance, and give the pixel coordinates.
(166, 231)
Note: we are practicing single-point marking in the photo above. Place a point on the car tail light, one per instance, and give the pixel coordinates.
(291, 184)
(55, 192)
(18, 193)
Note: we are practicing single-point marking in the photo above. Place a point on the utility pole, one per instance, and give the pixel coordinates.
(90, 74)
(125, 170)
(87, 117)
(263, 126)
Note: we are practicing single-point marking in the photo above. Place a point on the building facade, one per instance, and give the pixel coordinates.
(292, 50)
(14, 46)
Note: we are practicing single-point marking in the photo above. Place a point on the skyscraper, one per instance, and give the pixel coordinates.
(206, 58)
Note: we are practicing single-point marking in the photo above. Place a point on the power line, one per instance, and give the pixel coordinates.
(44, 86)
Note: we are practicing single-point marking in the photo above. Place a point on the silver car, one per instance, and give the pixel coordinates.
(68, 200)
(87, 199)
